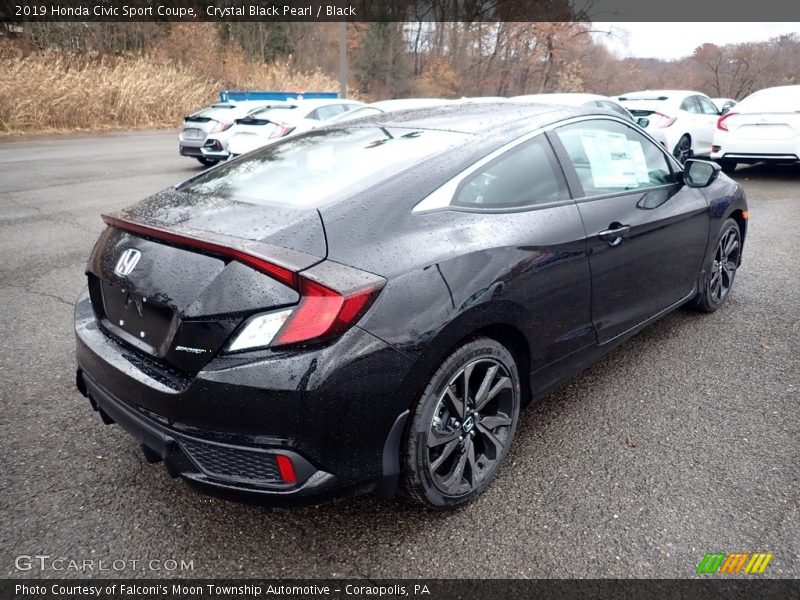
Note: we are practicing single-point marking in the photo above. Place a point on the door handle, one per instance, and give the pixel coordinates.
(614, 233)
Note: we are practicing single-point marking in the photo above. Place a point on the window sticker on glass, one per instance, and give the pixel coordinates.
(610, 158)
(639, 161)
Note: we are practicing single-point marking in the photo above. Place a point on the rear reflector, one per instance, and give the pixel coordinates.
(286, 468)
(745, 214)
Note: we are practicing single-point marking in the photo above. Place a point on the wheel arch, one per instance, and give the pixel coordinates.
(738, 216)
(501, 324)
(504, 331)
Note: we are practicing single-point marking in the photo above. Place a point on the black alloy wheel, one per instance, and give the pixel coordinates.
(721, 271)
(683, 149)
(463, 425)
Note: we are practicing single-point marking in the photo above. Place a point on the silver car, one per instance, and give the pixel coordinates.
(215, 120)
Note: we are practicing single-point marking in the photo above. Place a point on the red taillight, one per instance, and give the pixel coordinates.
(221, 126)
(663, 120)
(323, 312)
(282, 274)
(286, 468)
(721, 124)
(281, 131)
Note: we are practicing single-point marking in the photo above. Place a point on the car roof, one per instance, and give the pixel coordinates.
(576, 98)
(658, 94)
(476, 117)
(407, 103)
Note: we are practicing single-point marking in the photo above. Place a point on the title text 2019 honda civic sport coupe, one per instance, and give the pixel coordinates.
(367, 306)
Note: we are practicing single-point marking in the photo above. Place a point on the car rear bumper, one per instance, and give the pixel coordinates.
(217, 154)
(755, 150)
(236, 469)
(194, 151)
(336, 413)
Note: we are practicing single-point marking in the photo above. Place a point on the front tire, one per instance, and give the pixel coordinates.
(721, 270)
(462, 427)
(207, 162)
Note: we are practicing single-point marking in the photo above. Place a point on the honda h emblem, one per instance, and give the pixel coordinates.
(127, 262)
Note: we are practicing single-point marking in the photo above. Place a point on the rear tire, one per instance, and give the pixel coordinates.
(207, 162)
(720, 271)
(727, 165)
(461, 429)
(683, 149)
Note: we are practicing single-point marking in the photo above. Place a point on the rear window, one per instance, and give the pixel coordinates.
(307, 170)
(771, 100)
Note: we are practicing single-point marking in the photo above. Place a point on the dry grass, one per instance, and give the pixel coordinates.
(55, 91)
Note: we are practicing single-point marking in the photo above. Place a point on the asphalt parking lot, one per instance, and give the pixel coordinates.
(685, 440)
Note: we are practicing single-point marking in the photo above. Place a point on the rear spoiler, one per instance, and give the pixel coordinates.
(623, 98)
(280, 263)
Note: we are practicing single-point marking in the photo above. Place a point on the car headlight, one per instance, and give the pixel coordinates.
(259, 330)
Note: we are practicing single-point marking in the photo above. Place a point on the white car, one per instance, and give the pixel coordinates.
(686, 118)
(765, 126)
(592, 100)
(280, 119)
(213, 121)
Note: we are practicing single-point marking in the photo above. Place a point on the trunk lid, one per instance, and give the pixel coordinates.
(175, 275)
(764, 125)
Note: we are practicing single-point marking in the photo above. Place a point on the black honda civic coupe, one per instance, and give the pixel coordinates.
(367, 307)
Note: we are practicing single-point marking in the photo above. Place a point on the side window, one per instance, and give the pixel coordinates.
(610, 157)
(326, 112)
(523, 176)
(706, 106)
(690, 105)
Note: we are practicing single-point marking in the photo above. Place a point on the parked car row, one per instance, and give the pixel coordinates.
(765, 126)
(209, 134)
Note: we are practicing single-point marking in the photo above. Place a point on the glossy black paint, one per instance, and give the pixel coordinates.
(541, 280)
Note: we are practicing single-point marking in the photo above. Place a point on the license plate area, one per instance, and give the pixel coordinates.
(137, 319)
(194, 134)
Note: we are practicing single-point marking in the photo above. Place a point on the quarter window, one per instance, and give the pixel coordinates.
(526, 175)
(610, 157)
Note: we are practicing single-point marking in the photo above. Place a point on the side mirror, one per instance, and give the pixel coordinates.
(725, 109)
(700, 173)
(643, 122)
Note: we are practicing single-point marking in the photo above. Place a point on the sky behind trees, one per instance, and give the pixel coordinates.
(670, 41)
